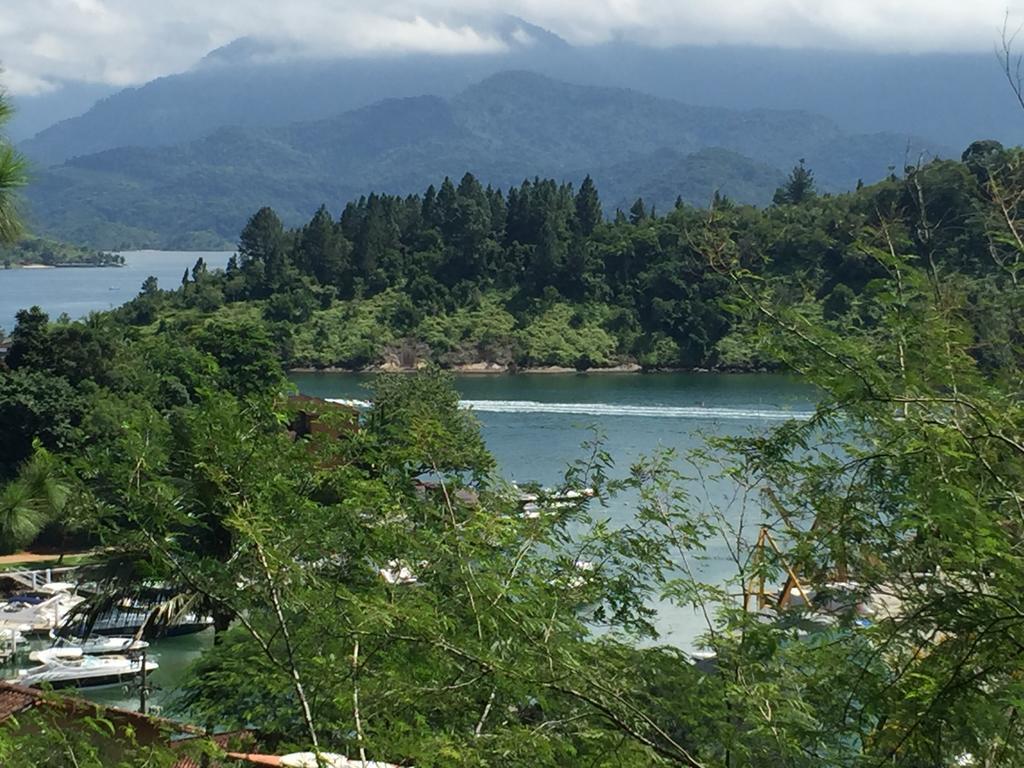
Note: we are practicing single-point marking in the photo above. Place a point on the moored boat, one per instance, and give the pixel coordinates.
(70, 668)
(101, 645)
(39, 611)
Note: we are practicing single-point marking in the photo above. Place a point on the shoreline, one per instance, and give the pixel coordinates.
(494, 369)
(76, 265)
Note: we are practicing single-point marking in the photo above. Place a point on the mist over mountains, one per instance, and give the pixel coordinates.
(185, 158)
(511, 126)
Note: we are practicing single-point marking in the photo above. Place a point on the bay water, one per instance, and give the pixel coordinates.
(534, 424)
(81, 290)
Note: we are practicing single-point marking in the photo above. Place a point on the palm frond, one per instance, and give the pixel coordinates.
(171, 611)
(6, 109)
(13, 175)
(22, 516)
(42, 476)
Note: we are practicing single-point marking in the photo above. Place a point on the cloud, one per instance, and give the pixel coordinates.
(123, 42)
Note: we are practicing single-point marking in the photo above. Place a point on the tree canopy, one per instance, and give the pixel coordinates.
(379, 592)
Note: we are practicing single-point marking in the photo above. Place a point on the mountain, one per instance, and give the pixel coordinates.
(67, 99)
(950, 99)
(254, 83)
(510, 126)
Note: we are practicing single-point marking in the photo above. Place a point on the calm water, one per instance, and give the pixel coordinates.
(173, 656)
(80, 291)
(534, 424)
(525, 424)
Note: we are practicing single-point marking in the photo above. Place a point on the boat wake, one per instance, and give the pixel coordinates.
(611, 409)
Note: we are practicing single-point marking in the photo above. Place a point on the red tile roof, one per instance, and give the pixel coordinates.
(15, 699)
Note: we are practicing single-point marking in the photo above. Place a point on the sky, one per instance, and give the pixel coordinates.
(126, 42)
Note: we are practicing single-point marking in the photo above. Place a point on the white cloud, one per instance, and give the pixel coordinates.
(130, 41)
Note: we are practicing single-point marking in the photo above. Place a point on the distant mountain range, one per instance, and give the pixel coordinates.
(511, 126)
(949, 99)
(184, 159)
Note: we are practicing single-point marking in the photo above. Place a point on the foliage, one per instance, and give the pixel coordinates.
(35, 250)
(568, 336)
(37, 739)
(38, 496)
(13, 172)
(378, 592)
(466, 274)
(35, 405)
(174, 193)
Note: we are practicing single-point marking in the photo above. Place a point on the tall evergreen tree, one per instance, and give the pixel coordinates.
(499, 212)
(799, 187)
(324, 252)
(445, 214)
(638, 212)
(29, 340)
(262, 236)
(588, 207)
(429, 208)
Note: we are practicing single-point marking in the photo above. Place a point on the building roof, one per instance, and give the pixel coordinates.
(18, 698)
(15, 699)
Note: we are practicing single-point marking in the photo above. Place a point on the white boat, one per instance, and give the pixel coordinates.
(101, 645)
(39, 611)
(70, 668)
(328, 760)
(533, 504)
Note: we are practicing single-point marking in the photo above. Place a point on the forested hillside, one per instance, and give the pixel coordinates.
(51, 253)
(947, 98)
(512, 126)
(378, 590)
(465, 274)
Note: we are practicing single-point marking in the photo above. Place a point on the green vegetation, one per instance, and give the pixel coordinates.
(12, 178)
(195, 195)
(466, 274)
(378, 592)
(50, 253)
(55, 736)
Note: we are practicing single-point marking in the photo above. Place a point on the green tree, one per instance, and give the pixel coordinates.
(898, 494)
(43, 737)
(325, 253)
(244, 353)
(262, 236)
(638, 212)
(39, 496)
(588, 207)
(12, 177)
(36, 406)
(799, 187)
(29, 340)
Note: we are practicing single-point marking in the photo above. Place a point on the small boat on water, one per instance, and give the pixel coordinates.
(535, 502)
(131, 617)
(70, 668)
(130, 623)
(397, 572)
(100, 645)
(39, 611)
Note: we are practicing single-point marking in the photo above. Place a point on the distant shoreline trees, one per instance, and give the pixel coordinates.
(535, 276)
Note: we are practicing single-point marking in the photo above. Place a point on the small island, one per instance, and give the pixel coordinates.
(37, 252)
